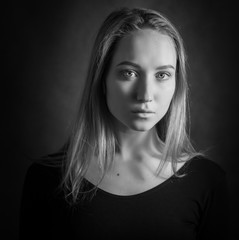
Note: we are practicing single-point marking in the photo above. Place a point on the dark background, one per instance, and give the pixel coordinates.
(47, 45)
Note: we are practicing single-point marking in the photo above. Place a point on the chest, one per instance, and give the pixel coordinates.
(128, 185)
(155, 213)
(129, 178)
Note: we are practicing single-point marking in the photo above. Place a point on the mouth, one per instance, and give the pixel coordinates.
(143, 113)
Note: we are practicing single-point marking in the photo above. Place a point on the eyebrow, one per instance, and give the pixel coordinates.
(138, 66)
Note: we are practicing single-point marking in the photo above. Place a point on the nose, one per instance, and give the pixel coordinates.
(144, 90)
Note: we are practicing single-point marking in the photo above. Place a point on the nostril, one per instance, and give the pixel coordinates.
(145, 91)
(149, 99)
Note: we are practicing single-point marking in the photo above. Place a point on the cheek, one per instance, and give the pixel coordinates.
(170, 92)
(112, 97)
(165, 94)
(117, 93)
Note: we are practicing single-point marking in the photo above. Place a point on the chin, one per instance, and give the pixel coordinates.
(141, 127)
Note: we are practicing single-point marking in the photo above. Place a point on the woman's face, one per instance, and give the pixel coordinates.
(141, 80)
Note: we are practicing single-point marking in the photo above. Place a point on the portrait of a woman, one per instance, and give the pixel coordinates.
(129, 169)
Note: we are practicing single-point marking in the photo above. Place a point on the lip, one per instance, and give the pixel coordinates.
(143, 115)
(142, 111)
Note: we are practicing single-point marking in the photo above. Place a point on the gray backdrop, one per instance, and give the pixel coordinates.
(48, 44)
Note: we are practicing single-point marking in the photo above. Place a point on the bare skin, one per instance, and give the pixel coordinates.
(134, 169)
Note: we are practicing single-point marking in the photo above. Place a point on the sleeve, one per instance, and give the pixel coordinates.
(36, 211)
(214, 224)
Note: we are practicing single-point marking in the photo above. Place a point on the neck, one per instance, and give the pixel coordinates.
(136, 145)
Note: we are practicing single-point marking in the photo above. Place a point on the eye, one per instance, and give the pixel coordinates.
(129, 74)
(163, 75)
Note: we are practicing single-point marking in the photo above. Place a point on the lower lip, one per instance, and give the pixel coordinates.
(143, 114)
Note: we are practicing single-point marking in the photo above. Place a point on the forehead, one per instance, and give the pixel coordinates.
(146, 47)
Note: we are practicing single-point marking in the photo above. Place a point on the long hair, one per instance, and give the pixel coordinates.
(93, 134)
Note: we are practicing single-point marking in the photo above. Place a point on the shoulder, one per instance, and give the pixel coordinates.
(44, 174)
(48, 166)
(40, 171)
(204, 164)
(205, 170)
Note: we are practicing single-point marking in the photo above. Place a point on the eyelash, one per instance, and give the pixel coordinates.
(165, 74)
(126, 77)
(125, 72)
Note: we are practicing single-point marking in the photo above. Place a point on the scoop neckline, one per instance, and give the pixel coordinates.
(144, 193)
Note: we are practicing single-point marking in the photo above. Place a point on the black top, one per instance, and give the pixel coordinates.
(190, 207)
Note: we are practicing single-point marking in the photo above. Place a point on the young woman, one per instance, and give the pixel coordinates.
(129, 169)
